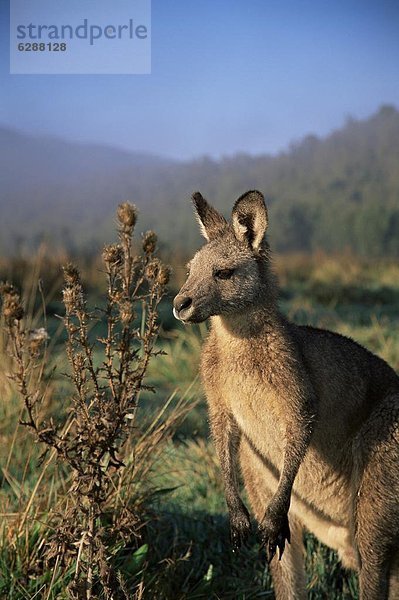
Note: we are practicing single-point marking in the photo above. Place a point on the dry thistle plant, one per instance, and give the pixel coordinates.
(100, 415)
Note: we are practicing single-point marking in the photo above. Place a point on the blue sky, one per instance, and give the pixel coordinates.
(227, 76)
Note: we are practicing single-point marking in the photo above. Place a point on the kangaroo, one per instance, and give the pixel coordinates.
(310, 416)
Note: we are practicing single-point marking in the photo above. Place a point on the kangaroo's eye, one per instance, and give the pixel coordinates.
(224, 273)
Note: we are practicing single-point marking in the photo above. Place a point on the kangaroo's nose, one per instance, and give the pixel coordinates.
(182, 302)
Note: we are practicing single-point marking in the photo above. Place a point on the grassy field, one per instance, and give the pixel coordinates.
(180, 548)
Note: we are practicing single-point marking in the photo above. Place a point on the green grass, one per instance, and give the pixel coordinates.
(189, 538)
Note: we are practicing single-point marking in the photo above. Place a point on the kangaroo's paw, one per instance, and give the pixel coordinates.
(274, 531)
(240, 528)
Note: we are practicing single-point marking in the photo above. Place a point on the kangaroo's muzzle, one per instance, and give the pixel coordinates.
(181, 307)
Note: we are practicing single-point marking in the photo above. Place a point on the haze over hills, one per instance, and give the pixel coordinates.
(328, 193)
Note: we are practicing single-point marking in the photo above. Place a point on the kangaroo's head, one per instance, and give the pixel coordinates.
(230, 273)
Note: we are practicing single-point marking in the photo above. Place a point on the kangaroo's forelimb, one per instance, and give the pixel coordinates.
(274, 527)
(227, 435)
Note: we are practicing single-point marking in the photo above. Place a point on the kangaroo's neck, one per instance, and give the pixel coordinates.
(256, 322)
(259, 343)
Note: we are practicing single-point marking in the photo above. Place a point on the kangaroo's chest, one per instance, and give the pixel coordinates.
(260, 411)
(318, 483)
(257, 407)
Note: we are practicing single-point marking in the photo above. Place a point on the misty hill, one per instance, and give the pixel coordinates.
(340, 191)
(54, 159)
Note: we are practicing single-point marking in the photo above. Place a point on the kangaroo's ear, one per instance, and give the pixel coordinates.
(210, 221)
(250, 219)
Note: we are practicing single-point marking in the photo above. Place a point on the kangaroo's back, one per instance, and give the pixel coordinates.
(348, 379)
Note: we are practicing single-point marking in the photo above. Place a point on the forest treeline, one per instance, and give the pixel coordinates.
(334, 193)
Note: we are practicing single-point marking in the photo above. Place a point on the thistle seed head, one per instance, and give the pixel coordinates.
(163, 275)
(113, 255)
(36, 337)
(71, 274)
(149, 242)
(153, 269)
(127, 214)
(12, 307)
